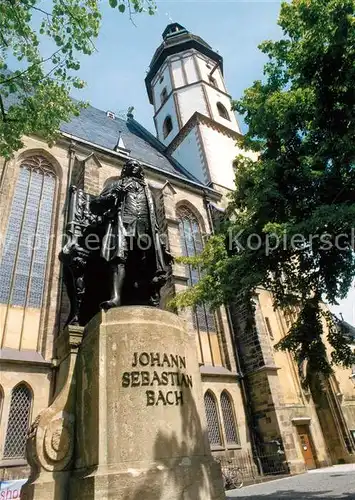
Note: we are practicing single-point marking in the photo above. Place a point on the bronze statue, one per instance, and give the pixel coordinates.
(131, 263)
(132, 240)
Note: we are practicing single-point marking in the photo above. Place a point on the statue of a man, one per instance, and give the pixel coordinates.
(132, 241)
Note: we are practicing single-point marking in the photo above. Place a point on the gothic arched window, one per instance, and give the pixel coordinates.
(230, 428)
(18, 422)
(222, 111)
(214, 431)
(192, 244)
(167, 126)
(24, 259)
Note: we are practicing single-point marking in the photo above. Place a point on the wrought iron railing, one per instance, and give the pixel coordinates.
(247, 468)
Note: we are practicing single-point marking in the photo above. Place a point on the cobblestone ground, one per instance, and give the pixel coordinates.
(337, 482)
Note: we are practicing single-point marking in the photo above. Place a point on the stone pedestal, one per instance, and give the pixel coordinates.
(139, 416)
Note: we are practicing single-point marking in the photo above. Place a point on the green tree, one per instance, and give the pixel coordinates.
(46, 38)
(290, 220)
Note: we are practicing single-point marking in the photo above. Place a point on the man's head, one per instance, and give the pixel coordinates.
(132, 168)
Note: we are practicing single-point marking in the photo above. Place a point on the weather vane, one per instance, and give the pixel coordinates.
(169, 16)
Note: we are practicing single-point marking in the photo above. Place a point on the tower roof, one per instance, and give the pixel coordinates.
(176, 39)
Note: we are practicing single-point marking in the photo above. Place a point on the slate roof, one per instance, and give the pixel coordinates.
(95, 126)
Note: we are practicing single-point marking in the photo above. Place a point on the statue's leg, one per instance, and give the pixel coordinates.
(118, 273)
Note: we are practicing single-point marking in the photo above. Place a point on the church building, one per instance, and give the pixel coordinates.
(255, 404)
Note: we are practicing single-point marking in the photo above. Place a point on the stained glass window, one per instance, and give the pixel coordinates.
(24, 258)
(18, 423)
(191, 245)
(214, 432)
(230, 428)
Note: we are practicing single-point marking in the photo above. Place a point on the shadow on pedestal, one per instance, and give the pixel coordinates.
(127, 446)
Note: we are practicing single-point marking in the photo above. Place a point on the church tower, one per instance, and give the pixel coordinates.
(192, 108)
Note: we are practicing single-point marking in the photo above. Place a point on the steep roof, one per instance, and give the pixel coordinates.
(93, 125)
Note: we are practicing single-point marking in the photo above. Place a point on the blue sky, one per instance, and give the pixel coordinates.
(115, 74)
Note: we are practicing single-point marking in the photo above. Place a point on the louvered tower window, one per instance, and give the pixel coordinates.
(191, 245)
(18, 422)
(214, 432)
(24, 258)
(230, 429)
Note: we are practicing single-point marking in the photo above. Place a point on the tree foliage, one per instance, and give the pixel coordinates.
(45, 40)
(290, 219)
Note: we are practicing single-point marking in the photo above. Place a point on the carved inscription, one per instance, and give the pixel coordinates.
(171, 377)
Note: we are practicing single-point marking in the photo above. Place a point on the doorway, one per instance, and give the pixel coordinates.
(306, 446)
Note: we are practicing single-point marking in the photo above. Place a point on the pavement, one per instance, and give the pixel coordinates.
(336, 482)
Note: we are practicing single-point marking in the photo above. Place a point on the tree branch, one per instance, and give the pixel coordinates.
(2, 109)
(41, 10)
(131, 14)
(78, 23)
(30, 67)
(3, 40)
(20, 22)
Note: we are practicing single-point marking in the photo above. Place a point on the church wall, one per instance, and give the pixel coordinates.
(191, 99)
(177, 71)
(275, 330)
(158, 85)
(214, 97)
(189, 154)
(37, 333)
(40, 325)
(168, 109)
(37, 379)
(345, 394)
(220, 152)
(205, 66)
(190, 69)
(183, 68)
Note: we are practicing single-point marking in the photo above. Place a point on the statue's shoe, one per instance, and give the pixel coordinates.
(109, 304)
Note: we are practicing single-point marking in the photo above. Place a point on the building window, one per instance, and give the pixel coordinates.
(212, 81)
(167, 126)
(222, 111)
(192, 244)
(269, 330)
(24, 260)
(18, 423)
(214, 432)
(163, 95)
(230, 428)
(161, 79)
